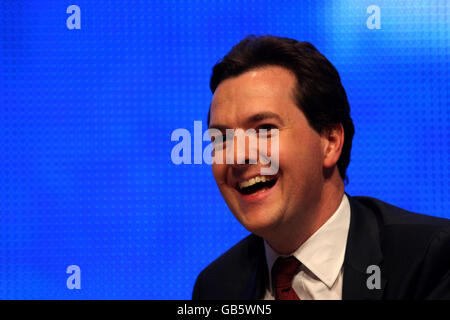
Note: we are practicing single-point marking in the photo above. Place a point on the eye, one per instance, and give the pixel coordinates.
(267, 126)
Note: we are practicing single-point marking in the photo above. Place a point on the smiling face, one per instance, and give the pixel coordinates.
(263, 98)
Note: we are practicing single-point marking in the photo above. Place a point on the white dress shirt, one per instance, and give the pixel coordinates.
(322, 257)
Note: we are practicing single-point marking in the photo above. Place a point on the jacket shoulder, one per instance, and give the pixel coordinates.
(400, 229)
(229, 273)
(414, 247)
(391, 215)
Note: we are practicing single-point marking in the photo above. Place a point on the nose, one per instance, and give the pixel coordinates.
(242, 150)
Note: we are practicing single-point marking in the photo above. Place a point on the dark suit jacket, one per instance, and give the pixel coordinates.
(412, 251)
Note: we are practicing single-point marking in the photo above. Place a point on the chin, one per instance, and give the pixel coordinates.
(259, 222)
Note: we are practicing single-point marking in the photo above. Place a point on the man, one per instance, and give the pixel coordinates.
(309, 239)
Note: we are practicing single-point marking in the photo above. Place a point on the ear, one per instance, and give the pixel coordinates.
(332, 142)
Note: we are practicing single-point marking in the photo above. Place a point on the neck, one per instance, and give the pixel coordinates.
(290, 236)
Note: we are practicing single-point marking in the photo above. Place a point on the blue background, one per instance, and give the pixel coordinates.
(86, 118)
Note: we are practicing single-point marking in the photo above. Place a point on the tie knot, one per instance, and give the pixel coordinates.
(283, 270)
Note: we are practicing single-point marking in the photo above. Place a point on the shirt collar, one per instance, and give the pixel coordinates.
(323, 253)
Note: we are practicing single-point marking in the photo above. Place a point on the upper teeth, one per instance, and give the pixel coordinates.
(252, 181)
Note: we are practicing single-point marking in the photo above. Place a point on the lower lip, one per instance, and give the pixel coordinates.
(256, 197)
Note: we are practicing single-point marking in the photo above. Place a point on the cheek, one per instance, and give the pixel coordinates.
(300, 158)
(219, 172)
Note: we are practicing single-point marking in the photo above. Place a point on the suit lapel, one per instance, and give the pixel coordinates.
(363, 249)
(256, 287)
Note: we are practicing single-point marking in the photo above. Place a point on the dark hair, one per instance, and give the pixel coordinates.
(319, 92)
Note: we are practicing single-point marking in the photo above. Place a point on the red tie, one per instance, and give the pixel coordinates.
(283, 271)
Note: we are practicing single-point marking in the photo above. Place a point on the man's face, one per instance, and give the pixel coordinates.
(263, 98)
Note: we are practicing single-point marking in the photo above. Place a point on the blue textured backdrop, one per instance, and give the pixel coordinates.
(86, 118)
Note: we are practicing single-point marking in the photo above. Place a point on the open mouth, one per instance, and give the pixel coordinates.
(256, 184)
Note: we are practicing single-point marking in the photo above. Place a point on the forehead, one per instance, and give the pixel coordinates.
(258, 90)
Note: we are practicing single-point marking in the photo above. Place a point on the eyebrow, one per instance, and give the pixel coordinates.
(258, 117)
